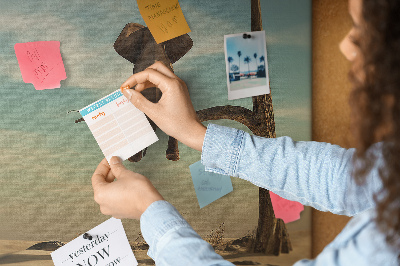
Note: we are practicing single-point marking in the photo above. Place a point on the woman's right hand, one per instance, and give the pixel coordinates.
(173, 113)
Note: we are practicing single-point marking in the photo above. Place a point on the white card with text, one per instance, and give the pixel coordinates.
(109, 246)
(118, 126)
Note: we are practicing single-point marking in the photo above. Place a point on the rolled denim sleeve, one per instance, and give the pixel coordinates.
(172, 241)
(312, 173)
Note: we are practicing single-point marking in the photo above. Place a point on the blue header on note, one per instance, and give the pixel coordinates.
(100, 103)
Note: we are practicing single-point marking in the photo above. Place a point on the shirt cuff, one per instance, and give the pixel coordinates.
(221, 149)
(158, 219)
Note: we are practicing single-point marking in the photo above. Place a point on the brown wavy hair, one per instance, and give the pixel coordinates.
(375, 101)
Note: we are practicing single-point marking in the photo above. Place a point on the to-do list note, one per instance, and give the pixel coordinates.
(209, 186)
(164, 18)
(41, 63)
(118, 126)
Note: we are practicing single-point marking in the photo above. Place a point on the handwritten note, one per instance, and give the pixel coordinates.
(209, 186)
(287, 210)
(41, 64)
(108, 246)
(118, 126)
(164, 18)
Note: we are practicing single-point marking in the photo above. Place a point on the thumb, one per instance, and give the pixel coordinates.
(138, 100)
(117, 167)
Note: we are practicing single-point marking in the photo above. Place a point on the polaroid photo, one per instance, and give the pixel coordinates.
(246, 64)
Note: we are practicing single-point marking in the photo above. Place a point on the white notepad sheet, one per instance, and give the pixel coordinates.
(118, 126)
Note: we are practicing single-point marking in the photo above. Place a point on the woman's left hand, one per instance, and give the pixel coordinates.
(126, 197)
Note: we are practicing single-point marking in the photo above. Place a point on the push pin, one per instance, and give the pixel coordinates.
(77, 120)
(87, 236)
(72, 111)
(246, 36)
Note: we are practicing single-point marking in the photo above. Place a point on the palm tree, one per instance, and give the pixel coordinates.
(262, 59)
(255, 59)
(234, 68)
(247, 60)
(230, 60)
(239, 55)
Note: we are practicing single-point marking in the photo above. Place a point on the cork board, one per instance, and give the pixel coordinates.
(330, 108)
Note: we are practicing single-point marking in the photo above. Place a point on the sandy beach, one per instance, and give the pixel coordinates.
(14, 252)
(248, 83)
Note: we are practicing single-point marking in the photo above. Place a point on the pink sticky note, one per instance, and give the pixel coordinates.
(287, 210)
(41, 64)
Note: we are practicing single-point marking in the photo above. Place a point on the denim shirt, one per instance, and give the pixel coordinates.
(312, 173)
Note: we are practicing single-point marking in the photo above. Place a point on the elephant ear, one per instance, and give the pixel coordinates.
(135, 39)
(177, 47)
(129, 43)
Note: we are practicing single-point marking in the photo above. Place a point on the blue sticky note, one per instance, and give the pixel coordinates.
(209, 186)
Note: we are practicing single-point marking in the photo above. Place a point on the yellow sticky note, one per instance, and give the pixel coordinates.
(164, 18)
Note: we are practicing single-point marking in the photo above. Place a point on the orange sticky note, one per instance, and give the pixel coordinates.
(164, 18)
(287, 210)
(41, 64)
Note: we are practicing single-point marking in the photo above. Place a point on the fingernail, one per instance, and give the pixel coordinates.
(115, 160)
(128, 94)
(127, 87)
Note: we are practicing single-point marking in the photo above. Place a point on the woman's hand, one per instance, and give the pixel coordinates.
(173, 113)
(128, 196)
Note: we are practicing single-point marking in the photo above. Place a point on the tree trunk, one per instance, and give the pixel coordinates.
(271, 236)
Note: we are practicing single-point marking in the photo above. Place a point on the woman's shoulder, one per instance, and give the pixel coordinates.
(362, 240)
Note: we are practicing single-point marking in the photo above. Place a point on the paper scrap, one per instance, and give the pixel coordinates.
(287, 210)
(108, 246)
(118, 126)
(164, 18)
(209, 186)
(41, 64)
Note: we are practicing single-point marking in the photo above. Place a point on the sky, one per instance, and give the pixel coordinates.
(247, 47)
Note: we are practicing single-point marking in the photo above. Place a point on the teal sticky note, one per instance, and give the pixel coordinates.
(209, 186)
